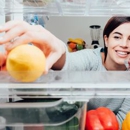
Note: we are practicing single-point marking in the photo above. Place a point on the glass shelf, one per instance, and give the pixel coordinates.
(109, 7)
(65, 7)
(70, 86)
(43, 7)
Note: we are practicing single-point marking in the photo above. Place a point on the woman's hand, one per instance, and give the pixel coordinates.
(20, 32)
(127, 63)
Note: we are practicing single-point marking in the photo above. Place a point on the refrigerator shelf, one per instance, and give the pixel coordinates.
(109, 7)
(65, 7)
(70, 86)
(43, 7)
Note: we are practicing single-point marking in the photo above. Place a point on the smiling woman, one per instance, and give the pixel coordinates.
(118, 43)
(116, 36)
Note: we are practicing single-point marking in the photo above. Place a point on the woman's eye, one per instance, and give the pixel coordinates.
(117, 37)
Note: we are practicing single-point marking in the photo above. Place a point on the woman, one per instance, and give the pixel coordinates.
(116, 50)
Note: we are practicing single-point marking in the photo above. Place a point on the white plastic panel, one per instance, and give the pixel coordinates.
(109, 7)
(65, 7)
(70, 86)
(27, 7)
(43, 7)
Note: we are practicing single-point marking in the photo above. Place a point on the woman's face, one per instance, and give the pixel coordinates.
(118, 44)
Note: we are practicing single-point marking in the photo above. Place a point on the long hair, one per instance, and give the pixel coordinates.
(113, 23)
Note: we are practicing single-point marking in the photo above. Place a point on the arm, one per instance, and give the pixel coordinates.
(60, 63)
(123, 110)
(57, 57)
(20, 32)
(81, 60)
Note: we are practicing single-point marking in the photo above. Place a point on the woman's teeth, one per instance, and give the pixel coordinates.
(123, 53)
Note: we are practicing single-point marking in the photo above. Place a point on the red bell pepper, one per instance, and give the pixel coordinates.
(101, 119)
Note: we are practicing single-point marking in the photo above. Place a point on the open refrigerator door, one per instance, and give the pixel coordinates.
(58, 100)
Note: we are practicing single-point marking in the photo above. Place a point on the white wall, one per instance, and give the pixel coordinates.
(74, 27)
(70, 27)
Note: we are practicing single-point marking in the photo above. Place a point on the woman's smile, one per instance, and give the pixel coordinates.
(122, 54)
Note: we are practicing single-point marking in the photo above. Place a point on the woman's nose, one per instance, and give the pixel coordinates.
(125, 43)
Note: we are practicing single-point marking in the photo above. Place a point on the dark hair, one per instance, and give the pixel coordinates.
(113, 23)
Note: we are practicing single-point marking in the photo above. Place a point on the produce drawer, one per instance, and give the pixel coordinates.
(43, 114)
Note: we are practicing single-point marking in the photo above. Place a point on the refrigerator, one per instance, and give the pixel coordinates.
(58, 100)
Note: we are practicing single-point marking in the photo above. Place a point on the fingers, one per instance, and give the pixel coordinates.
(11, 24)
(24, 39)
(13, 30)
(11, 35)
(28, 37)
(7, 26)
(18, 33)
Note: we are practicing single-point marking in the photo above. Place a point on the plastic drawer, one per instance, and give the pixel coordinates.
(43, 114)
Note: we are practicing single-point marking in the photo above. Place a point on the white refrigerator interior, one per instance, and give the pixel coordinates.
(26, 105)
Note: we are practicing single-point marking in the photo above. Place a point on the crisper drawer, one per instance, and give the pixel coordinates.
(42, 114)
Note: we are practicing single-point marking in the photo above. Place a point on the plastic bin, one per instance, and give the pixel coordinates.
(43, 114)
